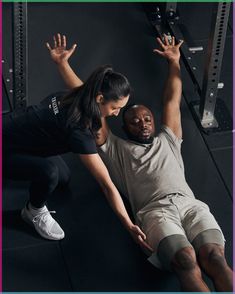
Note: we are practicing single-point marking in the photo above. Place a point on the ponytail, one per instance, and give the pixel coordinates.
(83, 108)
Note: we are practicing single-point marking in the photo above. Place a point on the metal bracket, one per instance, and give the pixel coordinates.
(222, 119)
(171, 12)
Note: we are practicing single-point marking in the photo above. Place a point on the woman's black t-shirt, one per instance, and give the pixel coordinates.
(41, 130)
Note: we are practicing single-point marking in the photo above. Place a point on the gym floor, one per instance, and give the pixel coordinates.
(97, 253)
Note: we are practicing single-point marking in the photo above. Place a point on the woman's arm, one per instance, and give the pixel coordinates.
(60, 55)
(97, 168)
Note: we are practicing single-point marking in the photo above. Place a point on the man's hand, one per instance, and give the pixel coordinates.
(171, 116)
(140, 238)
(169, 50)
(59, 53)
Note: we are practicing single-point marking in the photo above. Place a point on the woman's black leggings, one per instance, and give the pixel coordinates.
(44, 174)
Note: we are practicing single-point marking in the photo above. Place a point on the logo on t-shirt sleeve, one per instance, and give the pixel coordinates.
(54, 105)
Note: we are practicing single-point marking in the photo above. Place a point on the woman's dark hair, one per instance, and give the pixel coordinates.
(83, 107)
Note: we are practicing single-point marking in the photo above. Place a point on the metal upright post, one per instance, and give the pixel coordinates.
(20, 62)
(210, 118)
(213, 65)
(7, 81)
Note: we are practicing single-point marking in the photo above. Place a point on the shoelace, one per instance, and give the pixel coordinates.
(38, 216)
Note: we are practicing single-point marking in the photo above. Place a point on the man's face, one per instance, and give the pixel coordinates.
(139, 124)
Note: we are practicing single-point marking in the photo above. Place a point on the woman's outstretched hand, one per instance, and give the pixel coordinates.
(59, 53)
(170, 50)
(140, 238)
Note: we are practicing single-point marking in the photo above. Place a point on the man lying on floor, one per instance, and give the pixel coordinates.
(149, 170)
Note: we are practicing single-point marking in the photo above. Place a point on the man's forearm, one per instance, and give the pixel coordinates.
(173, 85)
(68, 75)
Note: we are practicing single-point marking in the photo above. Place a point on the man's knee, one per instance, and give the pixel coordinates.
(168, 248)
(212, 255)
(185, 260)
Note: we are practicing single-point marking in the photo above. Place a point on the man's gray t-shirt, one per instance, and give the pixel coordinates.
(145, 173)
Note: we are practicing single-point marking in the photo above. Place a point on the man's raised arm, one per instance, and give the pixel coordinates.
(173, 86)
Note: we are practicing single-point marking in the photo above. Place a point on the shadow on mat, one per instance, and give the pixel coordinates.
(12, 221)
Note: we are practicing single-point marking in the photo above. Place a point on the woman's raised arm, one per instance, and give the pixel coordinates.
(60, 55)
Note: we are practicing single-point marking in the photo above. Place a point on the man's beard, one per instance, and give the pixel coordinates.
(148, 140)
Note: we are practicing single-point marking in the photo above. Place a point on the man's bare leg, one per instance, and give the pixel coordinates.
(212, 260)
(187, 269)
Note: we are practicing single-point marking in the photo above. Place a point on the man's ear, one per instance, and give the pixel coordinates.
(100, 99)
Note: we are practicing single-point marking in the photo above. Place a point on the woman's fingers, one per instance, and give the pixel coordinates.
(64, 41)
(144, 244)
(140, 233)
(59, 40)
(72, 48)
(48, 46)
(55, 41)
(140, 237)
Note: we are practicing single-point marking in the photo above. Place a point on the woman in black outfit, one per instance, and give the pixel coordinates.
(64, 122)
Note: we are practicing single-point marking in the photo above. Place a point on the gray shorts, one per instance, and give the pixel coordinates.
(176, 214)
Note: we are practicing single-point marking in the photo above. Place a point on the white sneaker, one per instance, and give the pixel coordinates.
(43, 222)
